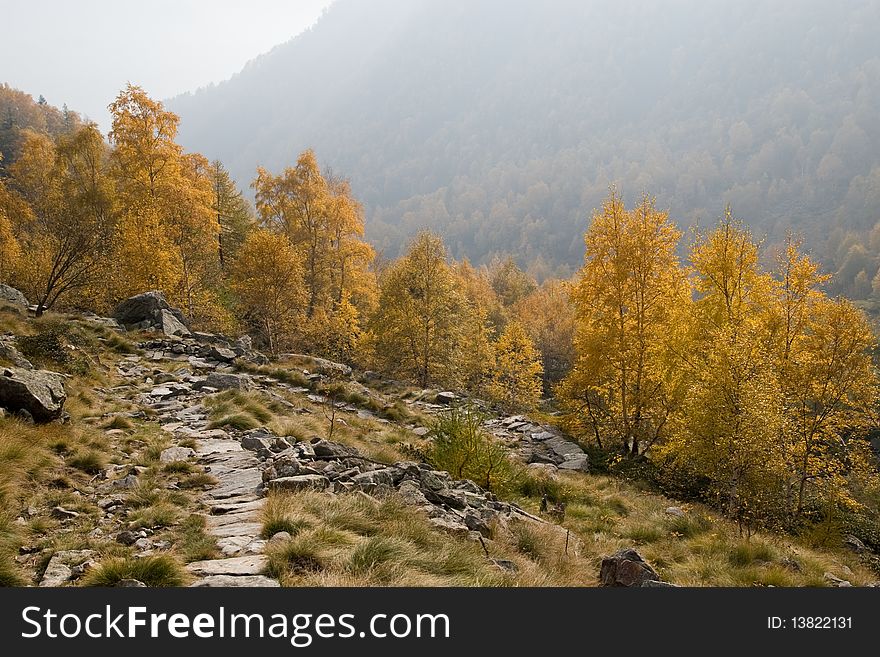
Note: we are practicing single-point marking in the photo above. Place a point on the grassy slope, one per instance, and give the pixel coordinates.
(347, 539)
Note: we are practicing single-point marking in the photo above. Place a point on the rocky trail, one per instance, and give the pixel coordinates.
(174, 376)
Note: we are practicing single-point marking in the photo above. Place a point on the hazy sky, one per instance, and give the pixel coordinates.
(82, 52)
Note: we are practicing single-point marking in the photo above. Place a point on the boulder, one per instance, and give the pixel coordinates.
(381, 477)
(150, 309)
(226, 381)
(142, 307)
(169, 324)
(626, 568)
(300, 482)
(446, 398)
(173, 454)
(675, 512)
(12, 296)
(39, 393)
(325, 448)
(10, 352)
(854, 544)
(222, 354)
(62, 566)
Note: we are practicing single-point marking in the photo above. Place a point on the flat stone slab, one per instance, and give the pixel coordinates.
(217, 446)
(248, 565)
(235, 507)
(232, 546)
(251, 529)
(239, 581)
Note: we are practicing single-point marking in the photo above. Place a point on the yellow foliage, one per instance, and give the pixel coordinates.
(516, 374)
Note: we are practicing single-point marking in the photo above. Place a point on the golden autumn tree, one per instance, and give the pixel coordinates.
(324, 224)
(627, 298)
(417, 327)
(548, 318)
(168, 233)
(11, 205)
(267, 278)
(65, 229)
(822, 354)
(733, 413)
(146, 162)
(516, 374)
(481, 318)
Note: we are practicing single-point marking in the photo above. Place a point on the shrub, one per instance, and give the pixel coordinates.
(463, 449)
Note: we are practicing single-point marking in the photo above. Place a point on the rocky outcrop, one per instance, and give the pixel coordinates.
(10, 352)
(627, 568)
(457, 506)
(13, 297)
(537, 443)
(38, 394)
(204, 351)
(150, 310)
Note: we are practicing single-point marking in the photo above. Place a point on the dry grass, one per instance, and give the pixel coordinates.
(700, 549)
(355, 540)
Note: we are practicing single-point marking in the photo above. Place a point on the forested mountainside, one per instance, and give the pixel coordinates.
(502, 124)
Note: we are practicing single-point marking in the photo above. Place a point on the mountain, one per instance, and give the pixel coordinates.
(502, 124)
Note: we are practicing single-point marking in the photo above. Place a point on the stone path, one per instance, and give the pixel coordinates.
(234, 503)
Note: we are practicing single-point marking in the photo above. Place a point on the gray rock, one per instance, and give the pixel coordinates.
(253, 564)
(381, 477)
(56, 574)
(280, 537)
(226, 381)
(129, 537)
(61, 513)
(169, 324)
(127, 482)
(39, 393)
(834, 580)
(226, 581)
(222, 354)
(675, 511)
(13, 296)
(130, 584)
(446, 397)
(300, 482)
(505, 565)
(854, 543)
(325, 448)
(145, 310)
(9, 351)
(62, 565)
(258, 441)
(626, 568)
(173, 454)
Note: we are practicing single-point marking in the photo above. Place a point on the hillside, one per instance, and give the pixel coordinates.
(502, 124)
(193, 460)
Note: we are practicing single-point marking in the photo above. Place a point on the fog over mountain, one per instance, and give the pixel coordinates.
(502, 124)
